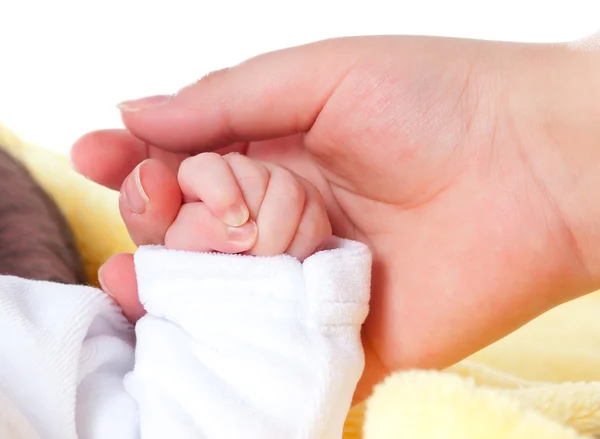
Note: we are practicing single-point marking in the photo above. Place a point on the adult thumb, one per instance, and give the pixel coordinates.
(272, 95)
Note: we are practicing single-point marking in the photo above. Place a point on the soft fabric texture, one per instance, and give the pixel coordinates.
(232, 346)
(543, 381)
(35, 239)
(90, 209)
(275, 344)
(65, 350)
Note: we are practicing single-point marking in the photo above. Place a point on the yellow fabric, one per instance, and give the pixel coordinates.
(541, 382)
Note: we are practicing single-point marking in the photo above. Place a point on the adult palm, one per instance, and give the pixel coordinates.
(449, 158)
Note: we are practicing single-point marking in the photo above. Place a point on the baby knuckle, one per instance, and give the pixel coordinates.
(318, 227)
(252, 185)
(292, 188)
(192, 165)
(187, 166)
(310, 230)
(170, 238)
(202, 159)
(206, 158)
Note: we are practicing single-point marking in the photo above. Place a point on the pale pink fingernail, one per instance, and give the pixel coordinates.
(135, 195)
(244, 235)
(236, 216)
(143, 103)
(101, 282)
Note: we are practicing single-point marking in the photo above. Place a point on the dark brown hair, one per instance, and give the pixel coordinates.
(35, 239)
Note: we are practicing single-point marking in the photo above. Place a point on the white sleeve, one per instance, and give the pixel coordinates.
(232, 346)
(254, 347)
(64, 351)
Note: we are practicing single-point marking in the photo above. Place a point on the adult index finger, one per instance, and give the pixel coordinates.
(272, 95)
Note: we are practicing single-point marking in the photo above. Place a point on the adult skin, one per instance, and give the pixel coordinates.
(470, 168)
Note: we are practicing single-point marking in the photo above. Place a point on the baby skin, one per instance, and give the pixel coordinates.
(290, 319)
(247, 312)
(215, 203)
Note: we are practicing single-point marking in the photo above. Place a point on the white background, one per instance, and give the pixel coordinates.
(64, 64)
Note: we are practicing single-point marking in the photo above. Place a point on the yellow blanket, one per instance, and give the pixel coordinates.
(541, 382)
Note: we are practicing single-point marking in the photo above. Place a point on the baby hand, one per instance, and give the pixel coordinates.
(204, 206)
(229, 204)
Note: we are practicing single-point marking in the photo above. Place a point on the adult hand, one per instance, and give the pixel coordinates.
(468, 167)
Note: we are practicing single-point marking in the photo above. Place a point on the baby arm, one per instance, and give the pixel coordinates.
(231, 345)
(255, 347)
(235, 345)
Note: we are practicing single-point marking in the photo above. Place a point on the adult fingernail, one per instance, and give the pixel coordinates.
(236, 216)
(244, 235)
(143, 103)
(135, 195)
